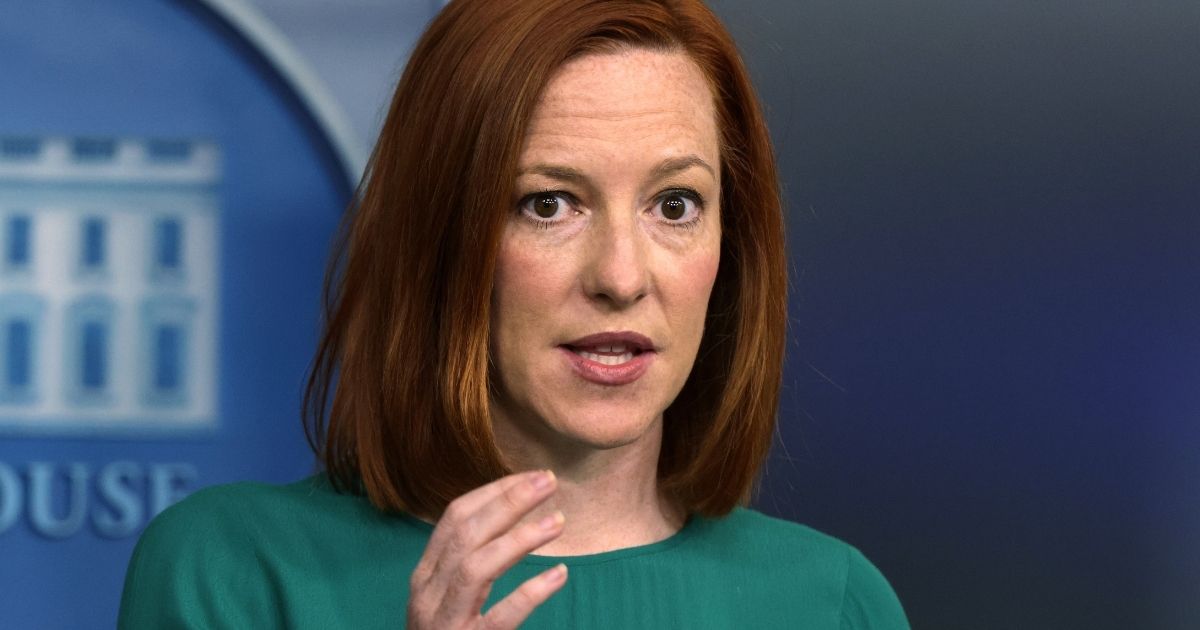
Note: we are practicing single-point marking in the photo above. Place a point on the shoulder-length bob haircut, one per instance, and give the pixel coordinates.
(397, 402)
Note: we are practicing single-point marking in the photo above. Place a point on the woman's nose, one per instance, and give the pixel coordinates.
(616, 272)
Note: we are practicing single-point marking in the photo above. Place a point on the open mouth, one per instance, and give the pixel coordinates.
(607, 354)
(611, 358)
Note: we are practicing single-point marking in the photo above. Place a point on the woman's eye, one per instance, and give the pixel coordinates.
(545, 206)
(678, 207)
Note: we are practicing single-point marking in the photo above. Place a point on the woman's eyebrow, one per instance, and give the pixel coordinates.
(663, 169)
(671, 166)
(554, 171)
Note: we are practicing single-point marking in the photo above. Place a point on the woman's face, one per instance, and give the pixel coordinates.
(610, 252)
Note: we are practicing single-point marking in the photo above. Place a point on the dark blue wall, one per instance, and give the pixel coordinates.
(993, 385)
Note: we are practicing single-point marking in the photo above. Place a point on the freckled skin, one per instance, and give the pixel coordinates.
(611, 259)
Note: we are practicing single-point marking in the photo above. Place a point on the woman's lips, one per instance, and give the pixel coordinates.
(612, 365)
(610, 358)
(624, 338)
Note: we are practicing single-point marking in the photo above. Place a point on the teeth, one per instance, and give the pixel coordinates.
(618, 348)
(606, 359)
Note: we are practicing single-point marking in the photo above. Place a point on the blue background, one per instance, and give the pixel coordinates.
(138, 68)
(993, 383)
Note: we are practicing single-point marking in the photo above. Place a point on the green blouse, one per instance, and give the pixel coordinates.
(304, 556)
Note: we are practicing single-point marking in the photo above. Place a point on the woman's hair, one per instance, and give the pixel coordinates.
(408, 296)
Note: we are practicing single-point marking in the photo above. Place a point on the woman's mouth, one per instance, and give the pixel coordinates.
(615, 354)
(616, 358)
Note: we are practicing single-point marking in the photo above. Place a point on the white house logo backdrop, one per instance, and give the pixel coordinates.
(170, 182)
(108, 283)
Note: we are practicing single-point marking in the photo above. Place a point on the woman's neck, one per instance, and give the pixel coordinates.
(610, 497)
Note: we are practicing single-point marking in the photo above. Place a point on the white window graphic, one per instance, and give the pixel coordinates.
(99, 150)
(20, 315)
(18, 252)
(167, 250)
(166, 329)
(89, 351)
(15, 149)
(92, 245)
(109, 260)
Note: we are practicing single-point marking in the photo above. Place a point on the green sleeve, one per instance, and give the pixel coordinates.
(868, 602)
(195, 567)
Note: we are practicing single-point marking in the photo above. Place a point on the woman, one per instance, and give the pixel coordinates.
(556, 331)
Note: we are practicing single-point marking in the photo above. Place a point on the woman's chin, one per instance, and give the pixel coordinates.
(594, 427)
(605, 439)
(607, 426)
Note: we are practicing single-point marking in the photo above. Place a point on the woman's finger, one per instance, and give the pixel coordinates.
(509, 612)
(463, 534)
(468, 588)
(458, 510)
(480, 496)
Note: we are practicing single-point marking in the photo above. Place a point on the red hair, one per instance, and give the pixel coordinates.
(404, 351)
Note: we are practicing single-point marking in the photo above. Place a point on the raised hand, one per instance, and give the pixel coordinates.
(474, 543)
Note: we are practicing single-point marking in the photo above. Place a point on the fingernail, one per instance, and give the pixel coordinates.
(542, 480)
(550, 522)
(556, 574)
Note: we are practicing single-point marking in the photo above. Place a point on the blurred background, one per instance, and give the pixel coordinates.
(993, 378)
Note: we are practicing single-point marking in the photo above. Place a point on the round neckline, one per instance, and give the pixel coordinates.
(689, 527)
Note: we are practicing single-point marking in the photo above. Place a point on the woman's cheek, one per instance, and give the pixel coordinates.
(526, 279)
(698, 274)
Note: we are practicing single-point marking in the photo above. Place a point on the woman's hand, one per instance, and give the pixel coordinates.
(474, 543)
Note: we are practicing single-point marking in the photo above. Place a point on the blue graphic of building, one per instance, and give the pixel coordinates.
(109, 265)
